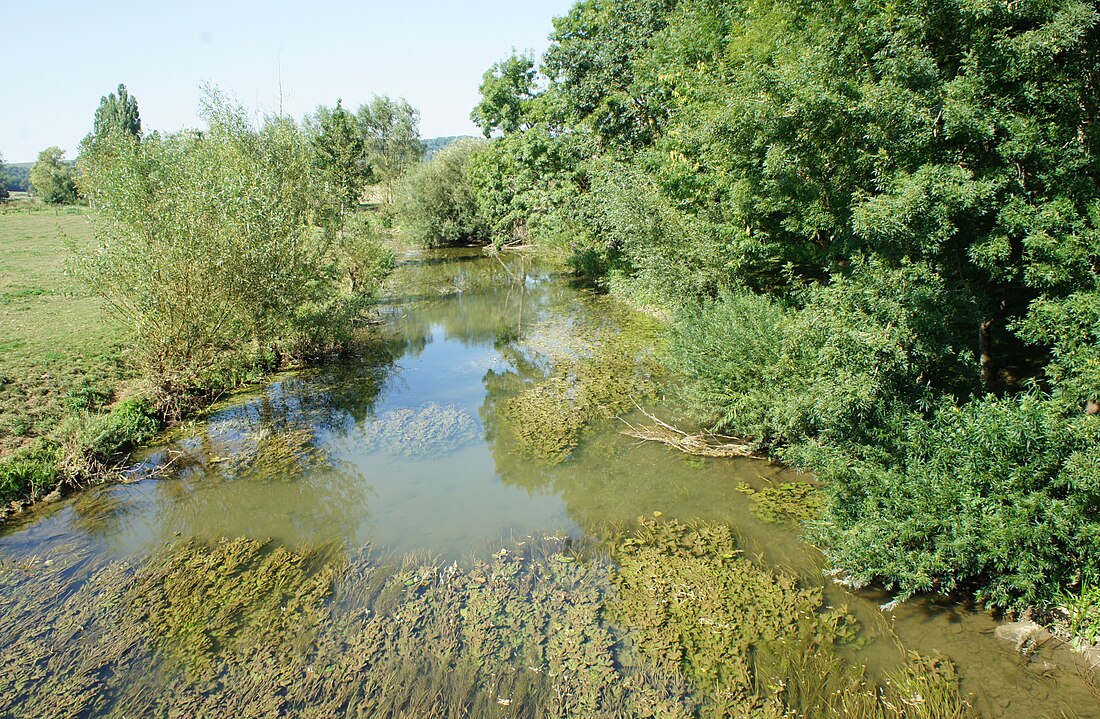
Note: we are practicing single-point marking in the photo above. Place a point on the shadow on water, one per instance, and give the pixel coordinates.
(427, 447)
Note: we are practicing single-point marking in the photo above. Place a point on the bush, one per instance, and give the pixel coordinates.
(207, 246)
(859, 381)
(436, 203)
(830, 364)
(1000, 495)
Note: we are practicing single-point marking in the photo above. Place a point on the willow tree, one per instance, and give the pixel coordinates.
(206, 247)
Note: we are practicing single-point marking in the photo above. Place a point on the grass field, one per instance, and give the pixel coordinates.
(59, 354)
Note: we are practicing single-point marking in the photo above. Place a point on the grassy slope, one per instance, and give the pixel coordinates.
(58, 352)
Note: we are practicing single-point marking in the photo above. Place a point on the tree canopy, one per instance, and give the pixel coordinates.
(117, 113)
(878, 227)
(51, 178)
(340, 152)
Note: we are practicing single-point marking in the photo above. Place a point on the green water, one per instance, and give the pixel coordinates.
(410, 447)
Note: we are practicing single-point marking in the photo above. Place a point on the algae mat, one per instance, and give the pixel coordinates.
(668, 620)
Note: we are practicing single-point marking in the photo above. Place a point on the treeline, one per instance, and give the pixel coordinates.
(877, 227)
(14, 177)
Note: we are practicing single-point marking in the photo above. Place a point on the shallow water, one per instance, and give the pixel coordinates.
(406, 447)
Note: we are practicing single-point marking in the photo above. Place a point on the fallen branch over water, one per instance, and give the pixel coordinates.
(706, 444)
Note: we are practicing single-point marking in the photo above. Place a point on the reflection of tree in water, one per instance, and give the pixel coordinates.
(474, 303)
(280, 435)
(282, 431)
(609, 479)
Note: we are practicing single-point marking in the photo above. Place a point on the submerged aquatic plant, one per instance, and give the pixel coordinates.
(788, 501)
(675, 623)
(430, 430)
(548, 418)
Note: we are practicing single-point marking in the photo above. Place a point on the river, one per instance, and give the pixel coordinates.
(226, 574)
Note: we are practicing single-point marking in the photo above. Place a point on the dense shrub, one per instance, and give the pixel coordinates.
(831, 361)
(437, 204)
(998, 495)
(208, 248)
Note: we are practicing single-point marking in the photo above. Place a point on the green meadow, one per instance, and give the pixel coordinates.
(59, 351)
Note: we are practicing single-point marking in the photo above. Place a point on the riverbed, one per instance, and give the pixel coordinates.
(339, 539)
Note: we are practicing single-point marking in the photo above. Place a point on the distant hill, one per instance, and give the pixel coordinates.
(16, 175)
(435, 144)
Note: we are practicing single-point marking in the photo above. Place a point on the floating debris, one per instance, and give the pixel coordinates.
(705, 444)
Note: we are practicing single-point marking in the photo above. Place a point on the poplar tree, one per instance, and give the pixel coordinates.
(117, 113)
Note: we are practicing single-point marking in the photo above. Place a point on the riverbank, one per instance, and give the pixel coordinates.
(64, 365)
(73, 399)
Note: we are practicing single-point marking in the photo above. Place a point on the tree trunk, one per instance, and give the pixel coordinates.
(989, 375)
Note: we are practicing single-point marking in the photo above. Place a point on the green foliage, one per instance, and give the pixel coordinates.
(339, 151)
(877, 225)
(391, 135)
(77, 450)
(117, 114)
(128, 424)
(17, 177)
(437, 204)
(524, 182)
(1000, 495)
(53, 179)
(208, 248)
(591, 61)
(433, 145)
(506, 89)
(836, 367)
(1083, 609)
(362, 253)
(30, 471)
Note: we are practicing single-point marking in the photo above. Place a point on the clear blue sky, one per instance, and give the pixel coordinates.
(61, 56)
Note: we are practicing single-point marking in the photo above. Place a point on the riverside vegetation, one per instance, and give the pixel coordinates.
(876, 231)
(219, 255)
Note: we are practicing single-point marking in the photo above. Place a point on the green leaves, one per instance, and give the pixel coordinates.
(339, 150)
(53, 179)
(207, 245)
(117, 114)
(437, 201)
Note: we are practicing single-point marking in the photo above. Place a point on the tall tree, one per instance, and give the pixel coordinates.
(391, 132)
(340, 153)
(506, 91)
(117, 113)
(51, 178)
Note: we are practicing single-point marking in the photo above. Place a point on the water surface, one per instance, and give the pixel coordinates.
(405, 447)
